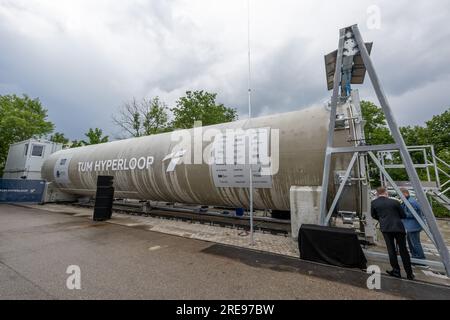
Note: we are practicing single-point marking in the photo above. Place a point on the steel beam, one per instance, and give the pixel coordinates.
(385, 257)
(362, 149)
(426, 163)
(438, 180)
(401, 166)
(331, 129)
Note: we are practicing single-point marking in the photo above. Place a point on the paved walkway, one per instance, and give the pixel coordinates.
(262, 241)
(119, 262)
(265, 242)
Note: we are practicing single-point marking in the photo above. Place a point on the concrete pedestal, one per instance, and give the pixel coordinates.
(305, 207)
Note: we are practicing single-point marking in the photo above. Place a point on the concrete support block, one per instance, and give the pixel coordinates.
(54, 195)
(305, 207)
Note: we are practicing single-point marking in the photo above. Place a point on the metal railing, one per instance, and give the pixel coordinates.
(444, 172)
(431, 163)
(437, 186)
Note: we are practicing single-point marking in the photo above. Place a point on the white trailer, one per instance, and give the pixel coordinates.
(25, 159)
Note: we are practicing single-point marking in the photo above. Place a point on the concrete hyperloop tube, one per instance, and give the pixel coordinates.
(141, 166)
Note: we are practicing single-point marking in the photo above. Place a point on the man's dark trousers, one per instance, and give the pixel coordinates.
(400, 238)
(390, 213)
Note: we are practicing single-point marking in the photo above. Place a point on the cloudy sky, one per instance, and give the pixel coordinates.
(84, 58)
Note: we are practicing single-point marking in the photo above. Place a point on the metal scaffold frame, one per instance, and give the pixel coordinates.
(430, 224)
(435, 187)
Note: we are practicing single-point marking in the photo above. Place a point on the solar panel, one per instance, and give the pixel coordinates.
(359, 70)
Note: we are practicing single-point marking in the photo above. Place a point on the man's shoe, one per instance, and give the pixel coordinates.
(411, 277)
(394, 274)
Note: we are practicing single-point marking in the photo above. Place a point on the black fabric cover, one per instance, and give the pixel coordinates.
(333, 246)
(104, 198)
(105, 181)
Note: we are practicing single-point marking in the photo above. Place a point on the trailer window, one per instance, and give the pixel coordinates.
(37, 151)
(26, 149)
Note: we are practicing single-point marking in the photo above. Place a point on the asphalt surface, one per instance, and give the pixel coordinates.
(117, 262)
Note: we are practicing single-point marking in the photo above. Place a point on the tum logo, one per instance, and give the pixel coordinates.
(74, 280)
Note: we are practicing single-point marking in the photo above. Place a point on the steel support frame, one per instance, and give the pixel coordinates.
(436, 168)
(425, 156)
(362, 148)
(437, 159)
(385, 257)
(331, 128)
(360, 136)
(395, 131)
(386, 177)
(426, 165)
(341, 187)
(431, 228)
(397, 189)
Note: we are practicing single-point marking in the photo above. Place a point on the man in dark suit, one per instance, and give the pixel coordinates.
(390, 214)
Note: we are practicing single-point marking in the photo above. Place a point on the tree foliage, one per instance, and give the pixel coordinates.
(95, 136)
(376, 129)
(76, 144)
(21, 118)
(415, 135)
(436, 132)
(143, 118)
(60, 138)
(150, 116)
(200, 106)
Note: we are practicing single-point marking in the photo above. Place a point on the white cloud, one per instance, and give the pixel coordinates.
(83, 58)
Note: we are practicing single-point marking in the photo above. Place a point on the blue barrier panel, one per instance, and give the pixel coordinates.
(20, 191)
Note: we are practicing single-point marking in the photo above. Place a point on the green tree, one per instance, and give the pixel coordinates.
(148, 117)
(200, 106)
(375, 129)
(59, 138)
(155, 118)
(415, 136)
(76, 144)
(95, 136)
(438, 131)
(377, 132)
(21, 118)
